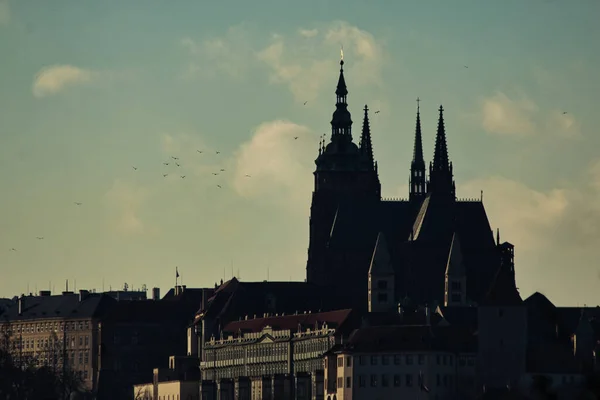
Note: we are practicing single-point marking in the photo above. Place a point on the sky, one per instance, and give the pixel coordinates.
(89, 90)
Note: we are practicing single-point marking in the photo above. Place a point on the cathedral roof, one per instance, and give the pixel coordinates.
(381, 263)
(455, 266)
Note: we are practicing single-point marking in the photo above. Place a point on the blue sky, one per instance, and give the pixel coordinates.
(91, 89)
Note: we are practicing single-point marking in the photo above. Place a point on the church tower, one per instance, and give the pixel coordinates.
(455, 293)
(345, 173)
(417, 182)
(441, 180)
(381, 278)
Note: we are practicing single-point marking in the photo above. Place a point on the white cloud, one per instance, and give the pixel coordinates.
(519, 115)
(229, 54)
(503, 115)
(523, 214)
(305, 63)
(53, 79)
(280, 167)
(308, 33)
(125, 200)
(4, 12)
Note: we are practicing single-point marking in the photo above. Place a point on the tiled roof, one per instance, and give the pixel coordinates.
(333, 319)
(151, 311)
(460, 316)
(503, 291)
(60, 306)
(411, 338)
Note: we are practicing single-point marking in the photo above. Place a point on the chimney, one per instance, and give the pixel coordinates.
(21, 304)
(83, 294)
(45, 293)
(155, 293)
(66, 293)
(427, 316)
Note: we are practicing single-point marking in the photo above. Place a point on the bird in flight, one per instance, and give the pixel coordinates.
(78, 204)
(166, 163)
(564, 112)
(199, 151)
(295, 137)
(215, 173)
(178, 164)
(165, 175)
(247, 176)
(134, 168)
(219, 186)
(465, 66)
(218, 152)
(175, 158)
(305, 102)
(377, 112)
(222, 170)
(182, 176)
(39, 237)
(13, 249)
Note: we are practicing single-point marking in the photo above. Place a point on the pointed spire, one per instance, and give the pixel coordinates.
(440, 155)
(341, 90)
(418, 159)
(341, 123)
(455, 266)
(440, 171)
(366, 145)
(498, 236)
(381, 263)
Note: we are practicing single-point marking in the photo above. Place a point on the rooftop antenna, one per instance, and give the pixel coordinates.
(28, 288)
(267, 274)
(103, 284)
(232, 269)
(482, 196)
(67, 286)
(75, 285)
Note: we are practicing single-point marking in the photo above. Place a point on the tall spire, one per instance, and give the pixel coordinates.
(341, 123)
(366, 145)
(440, 155)
(440, 171)
(417, 167)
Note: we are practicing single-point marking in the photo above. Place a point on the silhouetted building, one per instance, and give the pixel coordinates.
(60, 332)
(348, 214)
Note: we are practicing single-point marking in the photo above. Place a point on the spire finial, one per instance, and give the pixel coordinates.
(342, 55)
(418, 105)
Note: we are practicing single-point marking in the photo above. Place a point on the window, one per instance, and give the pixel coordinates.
(438, 380)
(87, 341)
(409, 380)
(456, 298)
(409, 359)
(382, 285)
(80, 341)
(385, 360)
(421, 359)
(373, 380)
(361, 360)
(373, 360)
(362, 381)
(348, 382)
(455, 286)
(462, 362)
(397, 359)
(340, 361)
(397, 380)
(382, 297)
(340, 383)
(348, 361)
(384, 381)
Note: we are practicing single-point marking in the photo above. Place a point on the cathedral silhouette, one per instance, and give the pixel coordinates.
(421, 238)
